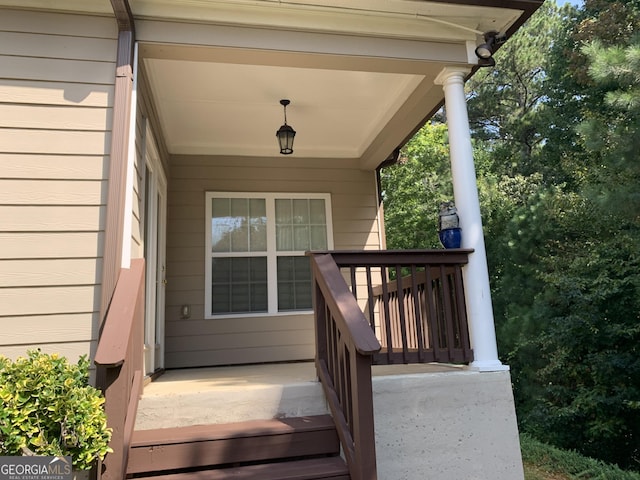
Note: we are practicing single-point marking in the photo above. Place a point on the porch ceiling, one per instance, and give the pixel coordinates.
(209, 108)
(359, 73)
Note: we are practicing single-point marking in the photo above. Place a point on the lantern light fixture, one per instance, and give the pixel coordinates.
(285, 133)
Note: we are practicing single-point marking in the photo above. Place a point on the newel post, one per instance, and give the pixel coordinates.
(476, 273)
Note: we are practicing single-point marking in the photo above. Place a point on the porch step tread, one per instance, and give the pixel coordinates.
(333, 468)
(254, 441)
(251, 428)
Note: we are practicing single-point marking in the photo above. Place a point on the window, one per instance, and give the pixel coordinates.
(255, 251)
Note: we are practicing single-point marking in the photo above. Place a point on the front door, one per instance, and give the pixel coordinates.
(155, 193)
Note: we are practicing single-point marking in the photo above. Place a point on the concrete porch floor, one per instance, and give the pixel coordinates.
(237, 393)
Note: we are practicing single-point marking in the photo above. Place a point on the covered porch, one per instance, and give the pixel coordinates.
(389, 328)
(429, 418)
(206, 100)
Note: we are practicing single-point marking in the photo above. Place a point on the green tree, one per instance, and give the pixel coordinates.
(582, 391)
(413, 189)
(506, 102)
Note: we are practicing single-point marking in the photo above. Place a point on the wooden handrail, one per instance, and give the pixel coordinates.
(389, 258)
(414, 300)
(119, 365)
(344, 345)
(340, 300)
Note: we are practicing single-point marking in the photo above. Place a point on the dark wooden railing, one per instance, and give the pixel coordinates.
(414, 302)
(345, 344)
(119, 365)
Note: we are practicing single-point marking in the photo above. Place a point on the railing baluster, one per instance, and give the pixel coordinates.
(354, 281)
(448, 313)
(417, 313)
(370, 302)
(462, 316)
(401, 316)
(387, 316)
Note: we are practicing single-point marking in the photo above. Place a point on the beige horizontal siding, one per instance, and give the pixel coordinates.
(280, 185)
(53, 219)
(57, 46)
(230, 326)
(55, 117)
(238, 356)
(53, 167)
(197, 341)
(56, 70)
(56, 101)
(12, 20)
(71, 350)
(39, 273)
(244, 339)
(41, 329)
(56, 93)
(53, 192)
(54, 142)
(17, 245)
(46, 300)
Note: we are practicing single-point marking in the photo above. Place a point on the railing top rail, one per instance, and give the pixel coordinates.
(377, 258)
(113, 344)
(341, 300)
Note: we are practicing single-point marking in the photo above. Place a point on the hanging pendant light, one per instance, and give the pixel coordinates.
(285, 133)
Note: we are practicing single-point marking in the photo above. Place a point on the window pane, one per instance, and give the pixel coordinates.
(301, 238)
(317, 212)
(301, 212)
(258, 227)
(301, 225)
(318, 238)
(239, 285)
(284, 238)
(283, 211)
(238, 225)
(294, 283)
(240, 233)
(221, 225)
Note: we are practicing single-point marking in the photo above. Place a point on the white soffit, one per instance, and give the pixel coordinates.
(411, 19)
(233, 109)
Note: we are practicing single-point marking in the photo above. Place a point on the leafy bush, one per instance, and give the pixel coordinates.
(48, 407)
(541, 457)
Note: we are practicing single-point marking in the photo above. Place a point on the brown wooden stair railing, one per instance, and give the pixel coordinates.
(345, 344)
(119, 365)
(414, 300)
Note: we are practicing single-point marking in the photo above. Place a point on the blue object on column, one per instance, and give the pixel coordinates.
(449, 230)
(451, 237)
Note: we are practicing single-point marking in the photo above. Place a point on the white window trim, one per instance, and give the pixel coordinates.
(271, 252)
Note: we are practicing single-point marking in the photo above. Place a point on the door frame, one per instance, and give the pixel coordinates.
(155, 222)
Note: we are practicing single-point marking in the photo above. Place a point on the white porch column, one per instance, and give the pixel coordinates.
(476, 274)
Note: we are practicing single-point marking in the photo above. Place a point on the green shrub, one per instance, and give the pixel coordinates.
(569, 464)
(48, 407)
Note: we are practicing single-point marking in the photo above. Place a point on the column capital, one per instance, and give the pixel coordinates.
(452, 73)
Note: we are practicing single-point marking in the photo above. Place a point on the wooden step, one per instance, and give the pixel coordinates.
(330, 468)
(172, 449)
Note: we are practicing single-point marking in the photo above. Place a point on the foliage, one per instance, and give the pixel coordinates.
(556, 151)
(413, 189)
(612, 131)
(569, 464)
(506, 103)
(48, 407)
(588, 367)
